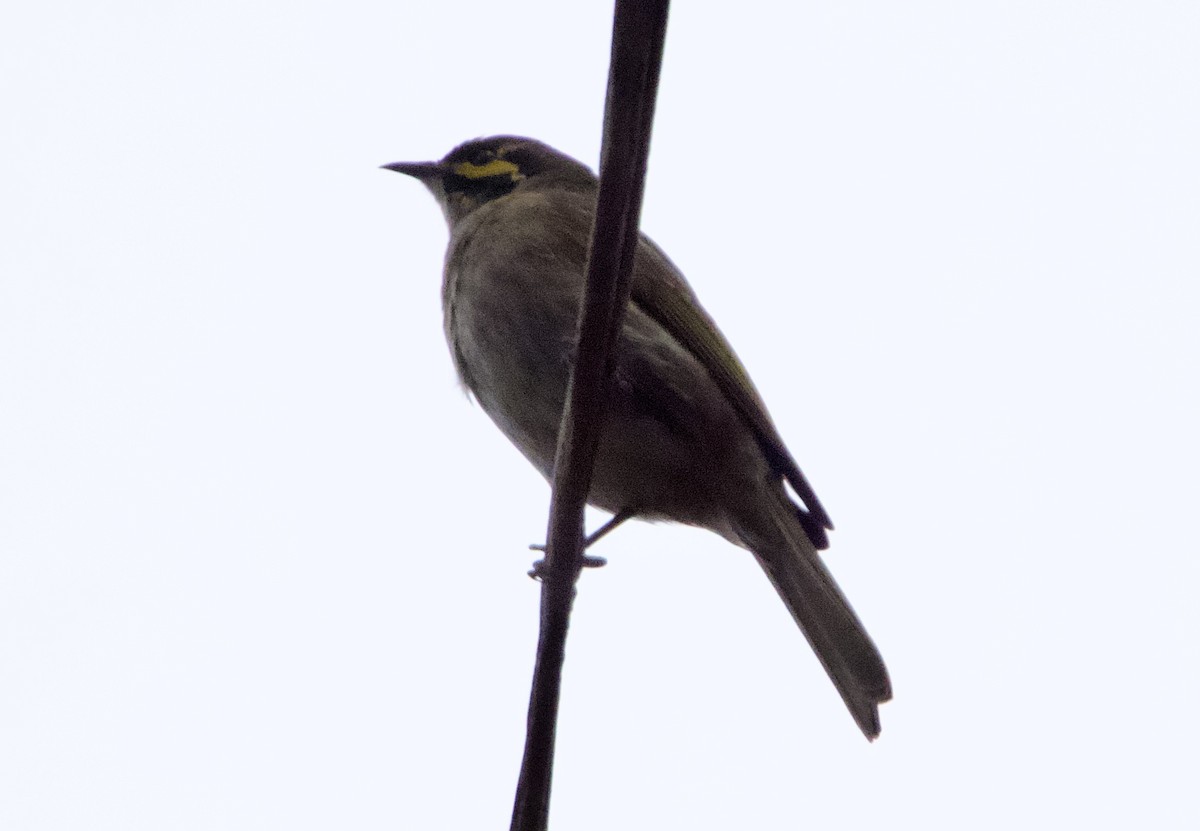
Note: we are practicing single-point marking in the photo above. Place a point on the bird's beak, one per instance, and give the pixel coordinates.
(425, 171)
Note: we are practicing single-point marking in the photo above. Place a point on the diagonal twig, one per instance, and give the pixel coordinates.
(639, 30)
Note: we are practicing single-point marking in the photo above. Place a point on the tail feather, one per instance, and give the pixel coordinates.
(854, 664)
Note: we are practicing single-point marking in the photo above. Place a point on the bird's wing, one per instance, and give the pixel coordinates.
(667, 298)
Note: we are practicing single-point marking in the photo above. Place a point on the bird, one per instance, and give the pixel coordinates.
(685, 436)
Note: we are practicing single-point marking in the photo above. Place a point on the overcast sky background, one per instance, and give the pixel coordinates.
(263, 566)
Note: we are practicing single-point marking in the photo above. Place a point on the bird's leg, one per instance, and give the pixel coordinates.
(588, 562)
(617, 518)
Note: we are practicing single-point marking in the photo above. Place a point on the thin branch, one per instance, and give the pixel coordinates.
(639, 30)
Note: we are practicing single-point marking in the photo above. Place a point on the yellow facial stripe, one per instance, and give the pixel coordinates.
(496, 167)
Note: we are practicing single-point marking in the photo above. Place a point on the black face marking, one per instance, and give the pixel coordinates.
(491, 187)
(470, 182)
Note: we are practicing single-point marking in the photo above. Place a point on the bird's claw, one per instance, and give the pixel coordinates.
(539, 566)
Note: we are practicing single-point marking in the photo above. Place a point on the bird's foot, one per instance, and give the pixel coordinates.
(539, 566)
(588, 561)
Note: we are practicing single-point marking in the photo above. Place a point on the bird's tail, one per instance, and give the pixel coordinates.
(824, 615)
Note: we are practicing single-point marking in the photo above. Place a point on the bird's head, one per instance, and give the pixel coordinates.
(482, 170)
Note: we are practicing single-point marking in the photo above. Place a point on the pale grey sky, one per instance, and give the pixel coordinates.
(263, 566)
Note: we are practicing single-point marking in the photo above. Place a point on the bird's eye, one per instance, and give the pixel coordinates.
(483, 157)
